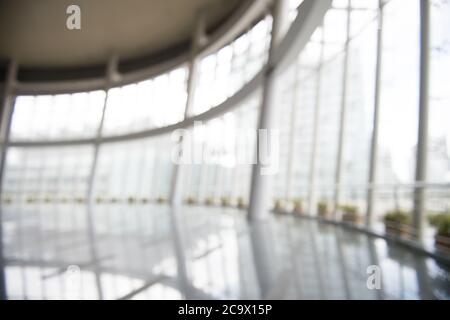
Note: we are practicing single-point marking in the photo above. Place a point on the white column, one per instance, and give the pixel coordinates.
(110, 76)
(376, 115)
(292, 140)
(422, 142)
(343, 116)
(175, 198)
(313, 162)
(198, 40)
(260, 193)
(7, 105)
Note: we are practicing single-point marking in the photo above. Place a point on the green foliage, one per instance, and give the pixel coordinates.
(398, 216)
(441, 222)
(191, 200)
(209, 201)
(298, 202)
(225, 201)
(241, 203)
(322, 208)
(350, 213)
(161, 200)
(349, 209)
(279, 205)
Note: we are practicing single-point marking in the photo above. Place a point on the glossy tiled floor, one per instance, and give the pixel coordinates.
(150, 252)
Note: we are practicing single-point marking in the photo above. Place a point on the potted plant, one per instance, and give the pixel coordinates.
(7, 200)
(298, 206)
(397, 222)
(241, 203)
(225, 201)
(160, 200)
(31, 199)
(80, 200)
(191, 200)
(209, 201)
(350, 214)
(322, 209)
(279, 206)
(114, 200)
(442, 224)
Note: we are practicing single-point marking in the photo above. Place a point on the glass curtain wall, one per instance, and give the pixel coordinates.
(321, 74)
(46, 181)
(439, 140)
(50, 213)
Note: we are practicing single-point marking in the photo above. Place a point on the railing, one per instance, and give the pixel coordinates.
(397, 199)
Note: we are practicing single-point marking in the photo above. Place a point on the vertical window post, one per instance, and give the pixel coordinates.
(422, 142)
(343, 116)
(316, 131)
(6, 113)
(260, 193)
(376, 119)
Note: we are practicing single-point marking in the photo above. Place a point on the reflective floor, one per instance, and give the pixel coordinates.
(144, 251)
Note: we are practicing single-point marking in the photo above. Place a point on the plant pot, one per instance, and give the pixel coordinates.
(191, 201)
(298, 211)
(161, 200)
(225, 202)
(79, 200)
(241, 204)
(396, 229)
(351, 218)
(442, 242)
(279, 208)
(323, 214)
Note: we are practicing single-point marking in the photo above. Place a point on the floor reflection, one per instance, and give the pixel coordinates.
(145, 251)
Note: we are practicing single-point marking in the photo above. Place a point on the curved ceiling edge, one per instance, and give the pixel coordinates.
(241, 19)
(226, 106)
(310, 16)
